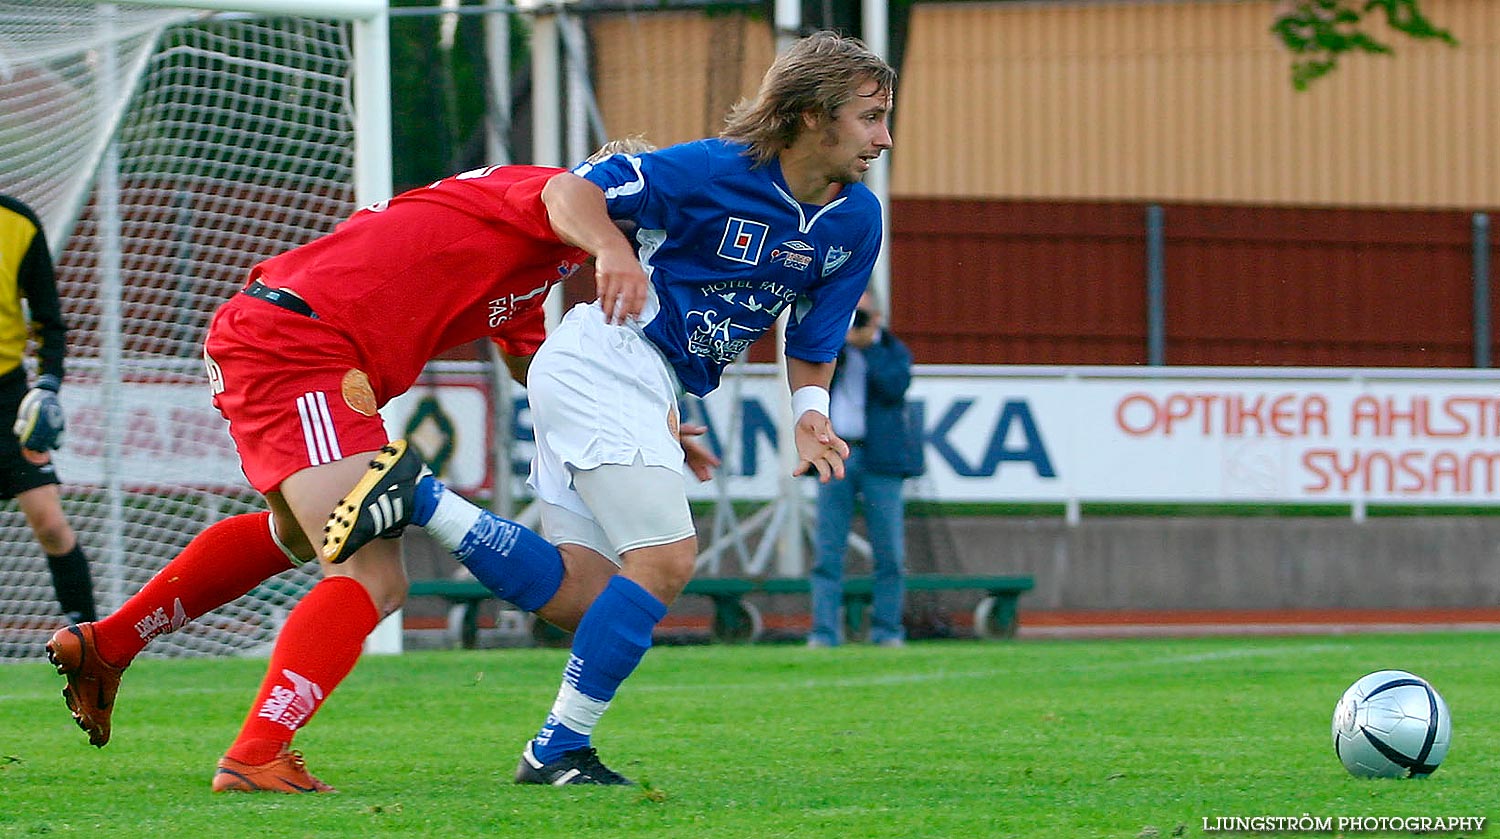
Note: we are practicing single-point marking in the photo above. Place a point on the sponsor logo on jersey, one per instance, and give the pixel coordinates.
(712, 335)
(835, 257)
(743, 240)
(750, 295)
(792, 257)
(502, 309)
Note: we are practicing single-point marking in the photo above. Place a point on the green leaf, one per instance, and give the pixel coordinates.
(1319, 32)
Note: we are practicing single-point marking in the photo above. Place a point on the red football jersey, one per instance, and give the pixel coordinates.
(467, 257)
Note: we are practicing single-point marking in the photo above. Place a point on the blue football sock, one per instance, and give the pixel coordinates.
(554, 739)
(611, 639)
(510, 560)
(429, 490)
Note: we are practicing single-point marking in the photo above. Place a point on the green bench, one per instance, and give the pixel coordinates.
(736, 620)
(994, 617)
(726, 593)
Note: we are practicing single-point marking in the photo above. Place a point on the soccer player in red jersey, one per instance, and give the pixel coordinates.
(300, 363)
(768, 219)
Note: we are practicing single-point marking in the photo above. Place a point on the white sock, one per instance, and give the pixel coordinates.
(452, 519)
(577, 711)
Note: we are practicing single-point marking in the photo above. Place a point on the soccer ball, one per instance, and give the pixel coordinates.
(1391, 724)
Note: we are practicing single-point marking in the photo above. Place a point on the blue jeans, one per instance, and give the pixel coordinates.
(885, 520)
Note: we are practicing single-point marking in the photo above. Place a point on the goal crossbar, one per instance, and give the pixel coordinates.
(339, 9)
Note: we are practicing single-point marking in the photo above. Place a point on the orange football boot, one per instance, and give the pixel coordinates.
(286, 772)
(92, 682)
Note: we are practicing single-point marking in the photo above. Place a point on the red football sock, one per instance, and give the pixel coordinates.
(226, 560)
(317, 647)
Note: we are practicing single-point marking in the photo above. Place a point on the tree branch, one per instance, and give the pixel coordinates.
(1320, 32)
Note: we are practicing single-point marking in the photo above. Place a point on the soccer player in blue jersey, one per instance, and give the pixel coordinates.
(732, 233)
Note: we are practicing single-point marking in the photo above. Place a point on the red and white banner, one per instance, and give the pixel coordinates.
(1219, 435)
(1185, 434)
(1289, 435)
(165, 431)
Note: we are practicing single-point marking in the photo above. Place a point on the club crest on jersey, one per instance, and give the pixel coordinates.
(835, 257)
(794, 255)
(359, 395)
(743, 240)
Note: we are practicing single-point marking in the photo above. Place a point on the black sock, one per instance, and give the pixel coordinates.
(74, 587)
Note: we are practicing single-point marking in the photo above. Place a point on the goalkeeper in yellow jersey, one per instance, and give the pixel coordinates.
(31, 418)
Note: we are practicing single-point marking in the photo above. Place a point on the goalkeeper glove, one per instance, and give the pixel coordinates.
(39, 422)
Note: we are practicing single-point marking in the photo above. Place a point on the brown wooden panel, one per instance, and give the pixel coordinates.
(672, 76)
(1494, 341)
(1027, 282)
(1260, 285)
(990, 282)
(1191, 102)
(1112, 101)
(1017, 282)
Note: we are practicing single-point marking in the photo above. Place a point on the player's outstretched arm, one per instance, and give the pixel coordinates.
(700, 460)
(577, 212)
(817, 446)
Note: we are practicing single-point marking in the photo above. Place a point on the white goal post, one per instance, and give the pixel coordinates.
(167, 147)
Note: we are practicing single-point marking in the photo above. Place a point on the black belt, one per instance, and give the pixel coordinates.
(279, 297)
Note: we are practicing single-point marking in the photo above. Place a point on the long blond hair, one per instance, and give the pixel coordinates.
(818, 73)
(629, 144)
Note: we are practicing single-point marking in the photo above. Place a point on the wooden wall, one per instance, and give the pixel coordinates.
(1330, 227)
(672, 76)
(1004, 282)
(1190, 101)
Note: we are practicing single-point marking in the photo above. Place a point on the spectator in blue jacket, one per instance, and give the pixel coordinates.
(868, 410)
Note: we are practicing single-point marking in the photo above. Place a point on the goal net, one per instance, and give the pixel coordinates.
(166, 149)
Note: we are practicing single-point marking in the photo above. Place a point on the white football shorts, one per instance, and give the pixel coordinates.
(603, 396)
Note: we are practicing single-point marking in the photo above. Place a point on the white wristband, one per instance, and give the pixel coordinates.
(810, 398)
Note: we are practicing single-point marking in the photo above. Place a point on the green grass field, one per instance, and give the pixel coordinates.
(1135, 738)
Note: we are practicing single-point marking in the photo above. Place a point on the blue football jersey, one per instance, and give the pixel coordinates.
(728, 249)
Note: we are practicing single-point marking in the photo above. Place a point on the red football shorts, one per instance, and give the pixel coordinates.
(291, 388)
